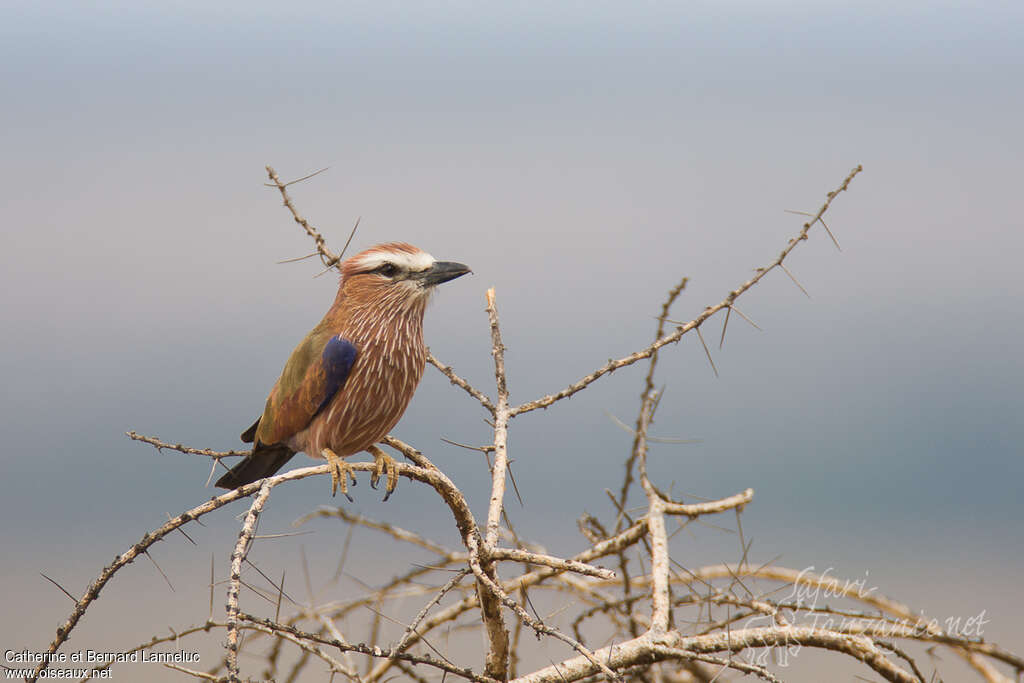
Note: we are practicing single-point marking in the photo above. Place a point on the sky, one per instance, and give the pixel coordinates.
(581, 159)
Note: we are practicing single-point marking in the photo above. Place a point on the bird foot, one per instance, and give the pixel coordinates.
(385, 465)
(341, 472)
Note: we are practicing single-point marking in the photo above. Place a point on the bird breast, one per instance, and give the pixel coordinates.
(389, 364)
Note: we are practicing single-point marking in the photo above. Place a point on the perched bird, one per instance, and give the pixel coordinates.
(349, 381)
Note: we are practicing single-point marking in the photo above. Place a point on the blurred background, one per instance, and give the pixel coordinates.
(581, 158)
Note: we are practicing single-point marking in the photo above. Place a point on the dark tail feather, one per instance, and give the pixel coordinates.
(249, 435)
(264, 461)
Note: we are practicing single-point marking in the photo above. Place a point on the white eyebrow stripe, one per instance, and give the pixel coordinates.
(413, 262)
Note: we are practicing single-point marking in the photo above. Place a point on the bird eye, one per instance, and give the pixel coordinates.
(388, 269)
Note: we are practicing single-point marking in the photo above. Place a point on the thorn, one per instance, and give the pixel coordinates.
(515, 488)
(834, 240)
(740, 314)
(280, 594)
(701, 337)
(73, 598)
(298, 258)
(182, 531)
(728, 312)
(298, 180)
(212, 470)
(350, 236)
(651, 439)
(482, 449)
(146, 553)
(795, 281)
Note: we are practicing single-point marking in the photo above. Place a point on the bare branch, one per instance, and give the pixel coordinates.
(447, 371)
(479, 559)
(672, 645)
(160, 446)
(396, 532)
(237, 557)
(675, 336)
(297, 180)
(297, 636)
(501, 415)
(549, 561)
(536, 625)
(696, 509)
(328, 257)
(454, 581)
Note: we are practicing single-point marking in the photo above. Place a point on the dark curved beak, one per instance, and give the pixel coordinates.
(443, 271)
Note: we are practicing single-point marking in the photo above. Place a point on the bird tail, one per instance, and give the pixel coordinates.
(264, 461)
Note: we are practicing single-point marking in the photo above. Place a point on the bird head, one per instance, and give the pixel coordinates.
(395, 272)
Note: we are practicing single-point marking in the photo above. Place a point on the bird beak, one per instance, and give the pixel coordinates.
(443, 271)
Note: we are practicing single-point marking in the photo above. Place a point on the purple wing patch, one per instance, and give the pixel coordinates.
(338, 356)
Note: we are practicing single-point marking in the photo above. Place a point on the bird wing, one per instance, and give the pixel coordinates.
(315, 372)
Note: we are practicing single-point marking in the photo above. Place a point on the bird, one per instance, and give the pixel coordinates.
(350, 380)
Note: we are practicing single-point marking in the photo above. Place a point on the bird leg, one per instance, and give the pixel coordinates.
(385, 465)
(340, 473)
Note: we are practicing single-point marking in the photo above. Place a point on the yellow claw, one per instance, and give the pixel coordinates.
(385, 464)
(341, 471)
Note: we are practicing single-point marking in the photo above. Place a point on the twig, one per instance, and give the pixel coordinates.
(536, 625)
(730, 663)
(411, 629)
(447, 371)
(501, 416)
(660, 592)
(160, 446)
(297, 635)
(675, 336)
(147, 540)
(237, 557)
(398, 533)
(517, 555)
(627, 479)
(297, 180)
(652, 647)
(433, 477)
(328, 257)
(602, 549)
(300, 641)
(497, 654)
(710, 507)
(191, 672)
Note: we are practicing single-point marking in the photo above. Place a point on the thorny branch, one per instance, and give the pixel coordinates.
(160, 446)
(648, 610)
(327, 257)
(459, 382)
(234, 585)
(673, 337)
